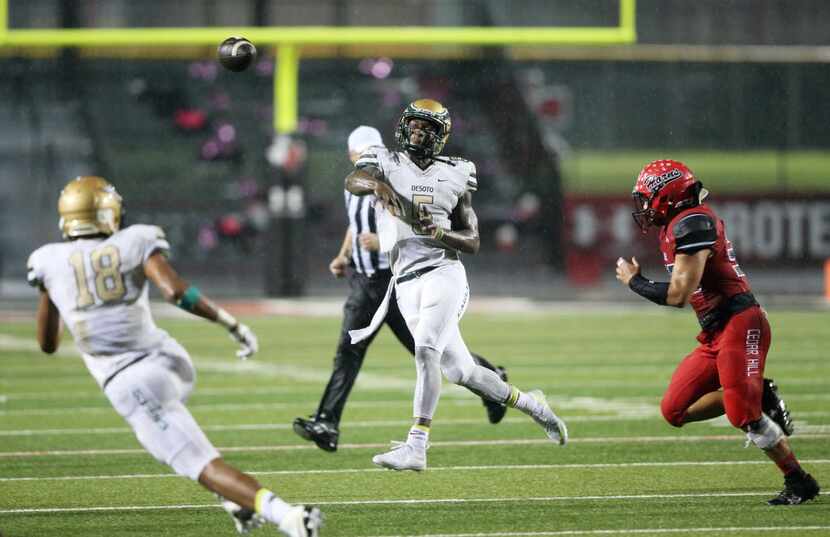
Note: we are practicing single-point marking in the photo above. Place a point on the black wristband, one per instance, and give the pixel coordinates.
(657, 292)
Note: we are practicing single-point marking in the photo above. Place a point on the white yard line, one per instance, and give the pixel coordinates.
(631, 531)
(407, 502)
(285, 426)
(499, 467)
(801, 427)
(228, 364)
(454, 443)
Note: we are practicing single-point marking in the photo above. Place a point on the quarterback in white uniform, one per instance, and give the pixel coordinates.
(96, 283)
(429, 222)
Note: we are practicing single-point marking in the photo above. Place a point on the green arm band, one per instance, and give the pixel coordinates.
(189, 299)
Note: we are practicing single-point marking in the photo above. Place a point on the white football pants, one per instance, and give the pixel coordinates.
(432, 306)
(150, 396)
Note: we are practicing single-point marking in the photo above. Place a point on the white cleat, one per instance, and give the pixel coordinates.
(402, 456)
(302, 521)
(244, 519)
(554, 427)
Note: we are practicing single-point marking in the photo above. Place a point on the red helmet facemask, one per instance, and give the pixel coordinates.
(663, 187)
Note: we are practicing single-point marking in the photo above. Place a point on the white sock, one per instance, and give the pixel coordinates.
(270, 506)
(418, 437)
(521, 401)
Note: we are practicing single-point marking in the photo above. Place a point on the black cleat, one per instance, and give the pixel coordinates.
(799, 487)
(322, 433)
(775, 407)
(496, 411)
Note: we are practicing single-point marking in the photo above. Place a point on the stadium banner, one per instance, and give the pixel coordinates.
(768, 230)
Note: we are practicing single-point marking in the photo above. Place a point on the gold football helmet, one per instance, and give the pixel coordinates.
(435, 113)
(89, 205)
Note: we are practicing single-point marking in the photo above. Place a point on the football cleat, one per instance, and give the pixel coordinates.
(302, 521)
(554, 427)
(798, 488)
(775, 407)
(496, 411)
(322, 433)
(244, 519)
(402, 456)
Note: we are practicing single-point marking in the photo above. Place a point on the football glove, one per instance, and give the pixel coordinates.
(247, 341)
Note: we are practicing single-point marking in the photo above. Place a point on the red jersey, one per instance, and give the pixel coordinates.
(724, 288)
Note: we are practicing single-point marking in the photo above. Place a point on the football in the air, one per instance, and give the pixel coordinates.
(236, 53)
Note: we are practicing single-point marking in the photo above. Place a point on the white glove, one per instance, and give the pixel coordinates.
(246, 339)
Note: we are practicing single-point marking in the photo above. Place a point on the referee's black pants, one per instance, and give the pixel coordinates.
(364, 298)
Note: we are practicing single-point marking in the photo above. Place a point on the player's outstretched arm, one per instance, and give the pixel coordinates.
(48, 324)
(464, 233)
(177, 291)
(370, 180)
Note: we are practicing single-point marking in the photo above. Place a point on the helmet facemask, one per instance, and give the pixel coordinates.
(435, 137)
(431, 138)
(644, 215)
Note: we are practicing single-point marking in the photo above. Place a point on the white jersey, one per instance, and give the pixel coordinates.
(100, 289)
(438, 188)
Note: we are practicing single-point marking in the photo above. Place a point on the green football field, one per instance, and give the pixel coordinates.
(70, 467)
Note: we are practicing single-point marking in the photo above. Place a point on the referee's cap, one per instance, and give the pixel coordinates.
(363, 137)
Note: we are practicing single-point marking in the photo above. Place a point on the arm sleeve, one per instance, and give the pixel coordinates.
(694, 233)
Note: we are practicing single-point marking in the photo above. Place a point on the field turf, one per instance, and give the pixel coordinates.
(70, 467)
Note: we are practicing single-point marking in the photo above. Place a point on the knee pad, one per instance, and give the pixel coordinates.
(764, 433)
(672, 415)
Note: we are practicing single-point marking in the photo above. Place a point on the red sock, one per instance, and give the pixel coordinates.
(788, 464)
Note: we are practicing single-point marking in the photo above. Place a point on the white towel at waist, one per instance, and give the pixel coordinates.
(377, 319)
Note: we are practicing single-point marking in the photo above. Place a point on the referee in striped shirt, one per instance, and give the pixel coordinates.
(368, 280)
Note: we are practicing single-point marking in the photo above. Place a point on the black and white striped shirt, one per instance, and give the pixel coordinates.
(361, 211)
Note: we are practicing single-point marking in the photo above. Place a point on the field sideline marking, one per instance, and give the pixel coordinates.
(451, 443)
(402, 502)
(564, 466)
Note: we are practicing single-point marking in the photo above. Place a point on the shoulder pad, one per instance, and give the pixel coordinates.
(145, 231)
(371, 157)
(694, 232)
(469, 170)
(150, 239)
(34, 274)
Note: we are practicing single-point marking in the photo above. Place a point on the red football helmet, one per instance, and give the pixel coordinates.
(662, 188)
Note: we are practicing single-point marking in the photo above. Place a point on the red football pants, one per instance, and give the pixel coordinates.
(732, 358)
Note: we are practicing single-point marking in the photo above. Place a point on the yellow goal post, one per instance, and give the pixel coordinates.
(289, 39)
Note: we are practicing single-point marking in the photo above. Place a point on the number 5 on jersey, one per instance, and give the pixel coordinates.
(418, 201)
(106, 265)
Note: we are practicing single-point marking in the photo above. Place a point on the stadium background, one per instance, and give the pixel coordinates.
(558, 133)
(735, 88)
